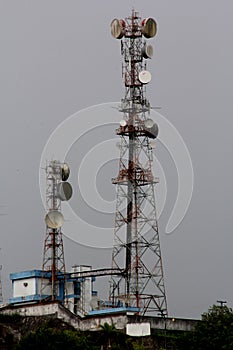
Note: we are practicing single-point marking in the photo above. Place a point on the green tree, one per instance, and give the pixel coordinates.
(137, 346)
(109, 333)
(213, 332)
(51, 339)
(111, 338)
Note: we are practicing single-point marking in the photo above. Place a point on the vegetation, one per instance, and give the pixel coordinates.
(213, 332)
(108, 333)
(10, 318)
(111, 338)
(49, 339)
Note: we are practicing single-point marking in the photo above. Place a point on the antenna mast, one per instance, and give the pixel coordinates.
(57, 190)
(136, 237)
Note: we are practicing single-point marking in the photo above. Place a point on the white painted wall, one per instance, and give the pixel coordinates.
(70, 288)
(86, 288)
(88, 294)
(24, 287)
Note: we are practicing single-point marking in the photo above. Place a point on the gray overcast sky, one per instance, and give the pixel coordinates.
(58, 57)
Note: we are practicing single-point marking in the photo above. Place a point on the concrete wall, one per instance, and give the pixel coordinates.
(94, 322)
(175, 324)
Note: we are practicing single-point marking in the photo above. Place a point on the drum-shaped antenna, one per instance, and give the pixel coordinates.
(149, 28)
(151, 128)
(147, 51)
(64, 191)
(65, 172)
(144, 76)
(117, 28)
(54, 219)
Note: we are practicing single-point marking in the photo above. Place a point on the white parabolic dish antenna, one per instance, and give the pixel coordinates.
(144, 76)
(54, 219)
(149, 123)
(123, 122)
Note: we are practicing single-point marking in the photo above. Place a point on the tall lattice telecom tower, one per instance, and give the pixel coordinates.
(136, 238)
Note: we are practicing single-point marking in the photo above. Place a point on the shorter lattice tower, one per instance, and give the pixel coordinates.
(53, 269)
